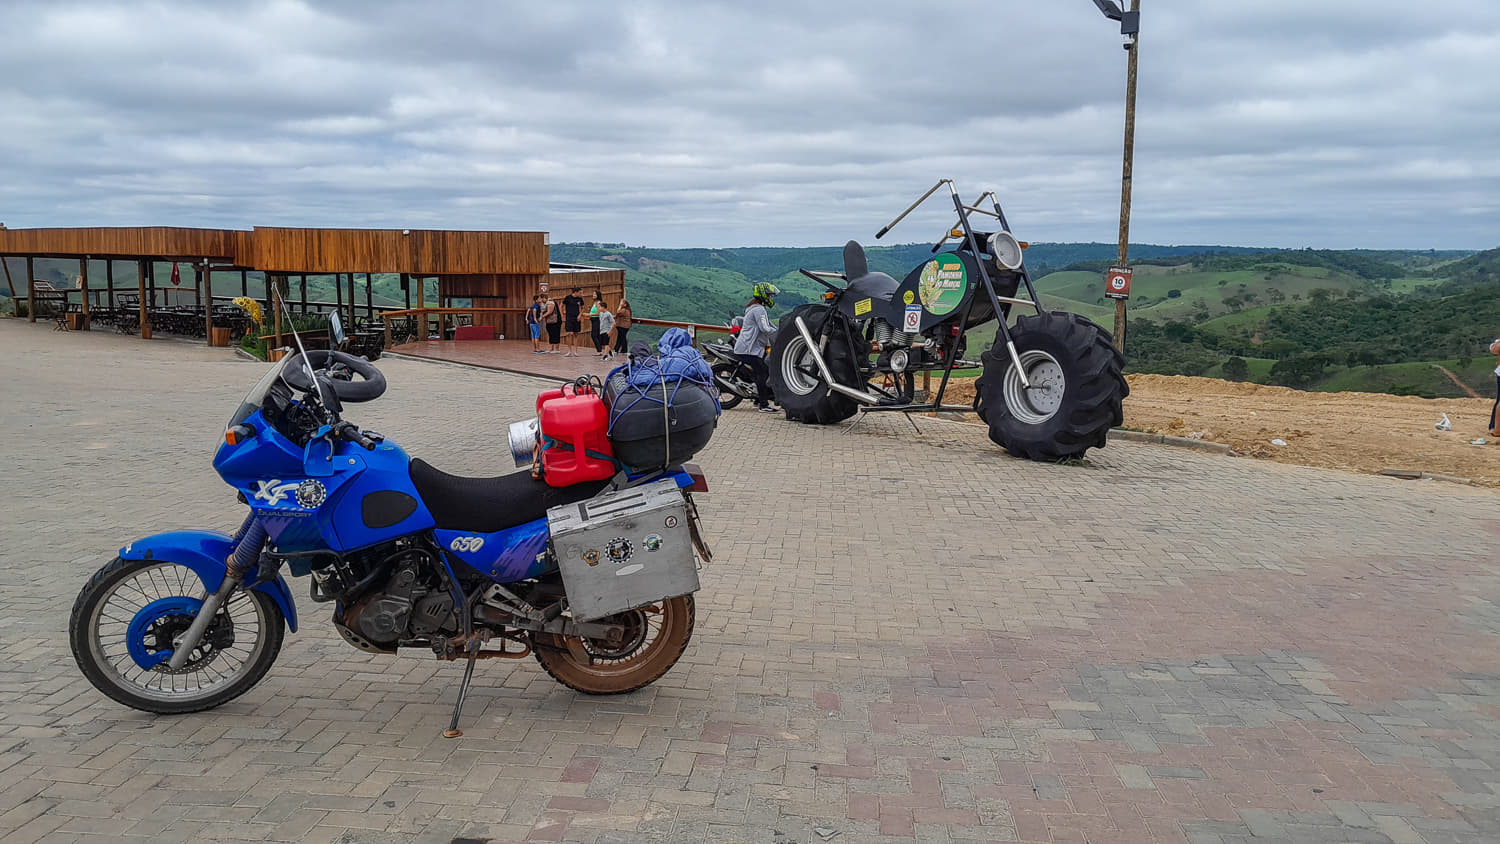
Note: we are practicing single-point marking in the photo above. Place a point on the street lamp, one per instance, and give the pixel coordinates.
(1130, 27)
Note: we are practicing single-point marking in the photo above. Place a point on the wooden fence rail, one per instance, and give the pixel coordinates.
(422, 314)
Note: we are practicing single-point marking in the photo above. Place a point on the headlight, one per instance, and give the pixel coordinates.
(1006, 249)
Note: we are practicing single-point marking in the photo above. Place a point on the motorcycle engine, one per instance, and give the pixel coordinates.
(887, 337)
(401, 598)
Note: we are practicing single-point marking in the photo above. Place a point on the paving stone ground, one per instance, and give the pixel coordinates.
(900, 639)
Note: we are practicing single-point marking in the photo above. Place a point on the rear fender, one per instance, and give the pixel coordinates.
(206, 553)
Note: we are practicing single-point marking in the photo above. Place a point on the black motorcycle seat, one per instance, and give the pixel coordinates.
(857, 274)
(876, 281)
(487, 505)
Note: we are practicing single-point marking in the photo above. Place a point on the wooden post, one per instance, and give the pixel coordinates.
(338, 294)
(197, 286)
(245, 283)
(140, 300)
(208, 297)
(369, 298)
(349, 324)
(421, 306)
(406, 289)
(1126, 174)
(302, 286)
(151, 280)
(83, 292)
(275, 310)
(5, 262)
(109, 280)
(30, 290)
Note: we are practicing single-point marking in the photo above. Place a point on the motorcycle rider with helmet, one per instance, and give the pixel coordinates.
(756, 333)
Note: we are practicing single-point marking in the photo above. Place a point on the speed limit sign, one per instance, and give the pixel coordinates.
(1117, 282)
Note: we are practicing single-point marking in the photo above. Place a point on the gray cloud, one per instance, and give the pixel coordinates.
(1280, 122)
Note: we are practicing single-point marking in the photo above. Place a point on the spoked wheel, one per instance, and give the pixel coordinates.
(128, 617)
(654, 638)
(728, 373)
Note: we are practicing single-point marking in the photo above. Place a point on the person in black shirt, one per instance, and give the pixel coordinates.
(572, 307)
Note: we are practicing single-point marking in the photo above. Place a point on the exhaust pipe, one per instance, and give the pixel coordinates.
(817, 355)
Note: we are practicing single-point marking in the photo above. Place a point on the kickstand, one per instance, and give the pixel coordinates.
(858, 418)
(463, 691)
(913, 423)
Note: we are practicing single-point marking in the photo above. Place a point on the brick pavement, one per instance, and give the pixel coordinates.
(899, 640)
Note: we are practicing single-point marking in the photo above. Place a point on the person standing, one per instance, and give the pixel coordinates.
(534, 323)
(756, 333)
(572, 310)
(622, 326)
(1495, 410)
(552, 319)
(606, 331)
(594, 326)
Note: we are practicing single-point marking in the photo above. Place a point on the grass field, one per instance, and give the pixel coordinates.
(1421, 378)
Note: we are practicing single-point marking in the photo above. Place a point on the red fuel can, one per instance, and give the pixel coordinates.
(575, 424)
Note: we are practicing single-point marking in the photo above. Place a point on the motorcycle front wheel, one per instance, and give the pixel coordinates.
(127, 616)
(654, 639)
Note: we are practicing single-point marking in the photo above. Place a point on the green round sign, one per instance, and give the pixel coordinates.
(942, 285)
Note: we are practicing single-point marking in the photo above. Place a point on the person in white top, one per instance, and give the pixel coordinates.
(1495, 423)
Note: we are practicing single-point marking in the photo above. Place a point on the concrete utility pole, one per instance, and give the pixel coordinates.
(1130, 27)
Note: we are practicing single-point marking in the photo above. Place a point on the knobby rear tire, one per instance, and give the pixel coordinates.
(799, 388)
(615, 676)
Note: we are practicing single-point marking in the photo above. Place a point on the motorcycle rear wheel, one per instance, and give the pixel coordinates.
(126, 616)
(728, 399)
(656, 637)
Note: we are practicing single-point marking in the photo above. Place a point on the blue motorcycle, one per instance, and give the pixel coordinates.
(407, 555)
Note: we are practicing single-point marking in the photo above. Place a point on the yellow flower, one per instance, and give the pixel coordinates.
(250, 307)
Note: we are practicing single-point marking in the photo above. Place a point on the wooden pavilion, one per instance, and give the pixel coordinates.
(497, 271)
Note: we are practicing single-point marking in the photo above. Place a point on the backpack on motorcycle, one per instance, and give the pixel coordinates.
(663, 408)
(575, 441)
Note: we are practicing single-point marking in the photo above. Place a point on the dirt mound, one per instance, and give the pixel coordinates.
(1355, 432)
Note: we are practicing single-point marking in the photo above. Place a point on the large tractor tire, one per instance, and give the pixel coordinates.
(1076, 393)
(799, 386)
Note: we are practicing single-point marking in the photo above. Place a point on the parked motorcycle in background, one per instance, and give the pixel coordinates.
(734, 379)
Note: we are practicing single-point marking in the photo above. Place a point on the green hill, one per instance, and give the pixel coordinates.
(1367, 320)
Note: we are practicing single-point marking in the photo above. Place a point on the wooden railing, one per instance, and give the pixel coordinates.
(422, 314)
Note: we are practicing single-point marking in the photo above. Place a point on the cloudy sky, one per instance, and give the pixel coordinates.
(1326, 123)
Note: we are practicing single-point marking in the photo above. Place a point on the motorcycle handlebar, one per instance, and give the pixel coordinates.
(350, 432)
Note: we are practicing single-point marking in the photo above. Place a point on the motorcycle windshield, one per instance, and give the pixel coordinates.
(256, 398)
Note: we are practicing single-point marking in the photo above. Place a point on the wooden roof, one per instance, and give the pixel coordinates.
(296, 250)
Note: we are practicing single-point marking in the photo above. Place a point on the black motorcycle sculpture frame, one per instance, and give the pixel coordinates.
(1051, 386)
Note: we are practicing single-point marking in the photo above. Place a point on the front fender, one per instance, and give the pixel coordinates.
(206, 553)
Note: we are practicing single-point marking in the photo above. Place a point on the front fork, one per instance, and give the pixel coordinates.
(248, 541)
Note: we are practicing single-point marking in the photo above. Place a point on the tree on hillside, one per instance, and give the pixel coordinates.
(1299, 370)
(1278, 347)
(1235, 369)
